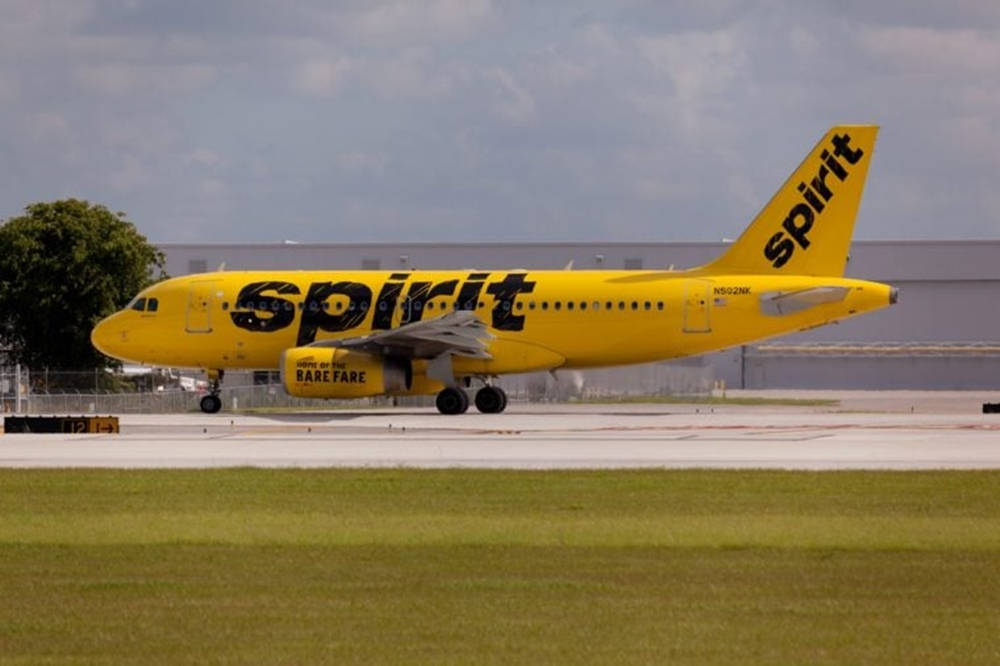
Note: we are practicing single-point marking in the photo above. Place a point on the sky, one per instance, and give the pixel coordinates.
(487, 120)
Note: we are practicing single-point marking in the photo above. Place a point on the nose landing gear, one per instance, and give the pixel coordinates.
(212, 403)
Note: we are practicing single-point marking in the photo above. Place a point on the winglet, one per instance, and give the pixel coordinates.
(806, 227)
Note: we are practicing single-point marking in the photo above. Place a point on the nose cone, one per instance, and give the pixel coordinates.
(103, 336)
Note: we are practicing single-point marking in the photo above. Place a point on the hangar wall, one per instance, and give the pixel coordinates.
(950, 293)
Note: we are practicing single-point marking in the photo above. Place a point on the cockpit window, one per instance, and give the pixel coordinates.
(152, 305)
(139, 304)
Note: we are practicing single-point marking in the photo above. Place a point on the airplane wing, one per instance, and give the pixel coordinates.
(460, 333)
(788, 302)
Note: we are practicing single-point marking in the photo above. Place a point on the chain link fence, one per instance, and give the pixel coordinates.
(164, 391)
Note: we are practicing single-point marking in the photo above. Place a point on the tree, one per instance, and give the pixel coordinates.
(65, 265)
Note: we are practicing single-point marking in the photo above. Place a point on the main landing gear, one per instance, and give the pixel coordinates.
(489, 400)
(212, 403)
(452, 401)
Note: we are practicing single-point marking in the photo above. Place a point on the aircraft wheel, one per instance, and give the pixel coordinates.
(491, 400)
(211, 403)
(452, 401)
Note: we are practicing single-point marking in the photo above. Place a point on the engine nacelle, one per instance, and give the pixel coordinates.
(331, 372)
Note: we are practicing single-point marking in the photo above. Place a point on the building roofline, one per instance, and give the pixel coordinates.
(595, 244)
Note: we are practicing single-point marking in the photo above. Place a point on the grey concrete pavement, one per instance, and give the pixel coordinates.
(533, 437)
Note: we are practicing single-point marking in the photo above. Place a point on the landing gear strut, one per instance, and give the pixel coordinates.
(491, 400)
(212, 403)
(452, 401)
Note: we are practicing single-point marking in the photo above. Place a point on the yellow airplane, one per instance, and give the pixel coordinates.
(347, 334)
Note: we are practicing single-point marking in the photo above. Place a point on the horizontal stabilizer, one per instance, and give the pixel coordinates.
(778, 303)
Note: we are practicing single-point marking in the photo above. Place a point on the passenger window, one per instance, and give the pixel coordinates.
(139, 305)
(557, 305)
(225, 305)
(597, 306)
(659, 305)
(607, 305)
(569, 305)
(519, 305)
(545, 305)
(430, 306)
(531, 305)
(621, 305)
(152, 305)
(635, 306)
(583, 305)
(647, 305)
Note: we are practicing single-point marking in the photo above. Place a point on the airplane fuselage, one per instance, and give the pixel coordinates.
(540, 319)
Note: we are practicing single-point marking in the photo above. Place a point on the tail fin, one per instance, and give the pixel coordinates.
(806, 227)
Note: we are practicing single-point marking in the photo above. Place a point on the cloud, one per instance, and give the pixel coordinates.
(698, 63)
(10, 87)
(403, 22)
(204, 157)
(321, 77)
(413, 73)
(935, 51)
(512, 101)
(361, 162)
(128, 79)
(391, 119)
(702, 67)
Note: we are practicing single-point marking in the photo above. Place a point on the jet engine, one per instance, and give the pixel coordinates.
(332, 372)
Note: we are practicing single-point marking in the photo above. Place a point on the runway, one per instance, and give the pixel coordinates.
(533, 437)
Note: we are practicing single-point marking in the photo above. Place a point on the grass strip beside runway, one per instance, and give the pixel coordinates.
(460, 566)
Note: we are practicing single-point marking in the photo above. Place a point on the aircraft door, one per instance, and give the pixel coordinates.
(199, 307)
(697, 306)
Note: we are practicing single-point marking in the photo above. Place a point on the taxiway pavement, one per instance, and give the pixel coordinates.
(533, 437)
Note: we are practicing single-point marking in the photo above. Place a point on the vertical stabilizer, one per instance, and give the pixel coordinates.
(806, 227)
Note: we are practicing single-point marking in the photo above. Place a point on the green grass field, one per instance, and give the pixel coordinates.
(458, 567)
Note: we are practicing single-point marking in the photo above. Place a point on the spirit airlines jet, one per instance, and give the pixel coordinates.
(347, 334)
